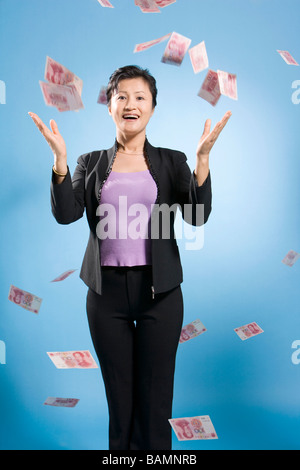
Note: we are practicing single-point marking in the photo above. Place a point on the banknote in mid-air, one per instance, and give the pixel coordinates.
(164, 3)
(216, 84)
(73, 360)
(176, 49)
(195, 328)
(59, 75)
(63, 88)
(147, 6)
(64, 275)
(64, 402)
(145, 45)
(249, 330)
(102, 96)
(62, 97)
(197, 427)
(227, 84)
(287, 57)
(290, 258)
(105, 3)
(210, 89)
(24, 299)
(151, 6)
(198, 56)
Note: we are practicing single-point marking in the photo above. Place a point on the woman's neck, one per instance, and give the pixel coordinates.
(129, 144)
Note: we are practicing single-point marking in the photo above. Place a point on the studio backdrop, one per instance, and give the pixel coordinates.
(240, 269)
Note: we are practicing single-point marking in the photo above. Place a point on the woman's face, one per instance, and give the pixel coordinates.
(131, 106)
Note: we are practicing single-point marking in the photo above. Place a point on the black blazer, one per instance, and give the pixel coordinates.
(175, 185)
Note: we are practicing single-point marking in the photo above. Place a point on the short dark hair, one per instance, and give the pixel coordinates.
(130, 71)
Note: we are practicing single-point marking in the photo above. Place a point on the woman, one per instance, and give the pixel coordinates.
(134, 300)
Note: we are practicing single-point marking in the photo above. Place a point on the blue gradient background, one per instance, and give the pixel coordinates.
(249, 389)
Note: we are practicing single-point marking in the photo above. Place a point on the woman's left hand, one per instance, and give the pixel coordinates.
(209, 137)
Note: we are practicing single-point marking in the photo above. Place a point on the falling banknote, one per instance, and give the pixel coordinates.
(105, 3)
(59, 74)
(176, 49)
(291, 258)
(210, 90)
(193, 329)
(73, 360)
(287, 57)
(198, 56)
(102, 96)
(64, 275)
(24, 299)
(247, 331)
(197, 427)
(164, 3)
(216, 84)
(147, 6)
(151, 6)
(64, 402)
(145, 45)
(63, 88)
(227, 83)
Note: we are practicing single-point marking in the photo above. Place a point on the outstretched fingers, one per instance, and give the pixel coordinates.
(39, 123)
(42, 127)
(220, 125)
(206, 130)
(54, 127)
(207, 126)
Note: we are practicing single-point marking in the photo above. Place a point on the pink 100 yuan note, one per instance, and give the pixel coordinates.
(195, 328)
(247, 331)
(176, 49)
(64, 402)
(63, 97)
(197, 427)
(287, 57)
(227, 84)
(64, 275)
(24, 299)
(105, 3)
(73, 360)
(147, 6)
(164, 3)
(198, 56)
(210, 89)
(102, 96)
(59, 75)
(216, 84)
(145, 45)
(291, 258)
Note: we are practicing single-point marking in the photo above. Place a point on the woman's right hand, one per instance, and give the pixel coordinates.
(55, 141)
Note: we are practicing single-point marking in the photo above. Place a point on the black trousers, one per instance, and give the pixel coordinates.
(136, 338)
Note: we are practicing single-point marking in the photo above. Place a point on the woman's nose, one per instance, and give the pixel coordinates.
(130, 104)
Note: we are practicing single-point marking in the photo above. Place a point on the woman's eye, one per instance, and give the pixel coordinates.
(140, 97)
(121, 97)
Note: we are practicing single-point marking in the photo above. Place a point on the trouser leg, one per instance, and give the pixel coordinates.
(158, 328)
(112, 334)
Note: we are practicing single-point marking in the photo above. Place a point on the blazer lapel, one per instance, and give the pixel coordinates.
(104, 164)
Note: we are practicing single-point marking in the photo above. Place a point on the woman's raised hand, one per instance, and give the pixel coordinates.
(209, 137)
(205, 145)
(55, 141)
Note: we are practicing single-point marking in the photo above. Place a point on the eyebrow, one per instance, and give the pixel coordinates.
(121, 91)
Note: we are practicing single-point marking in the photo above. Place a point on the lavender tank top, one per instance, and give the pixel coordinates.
(124, 226)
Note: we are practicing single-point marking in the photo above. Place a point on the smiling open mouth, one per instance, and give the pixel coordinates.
(130, 117)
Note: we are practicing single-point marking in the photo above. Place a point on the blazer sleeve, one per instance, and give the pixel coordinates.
(67, 198)
(194, 200)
